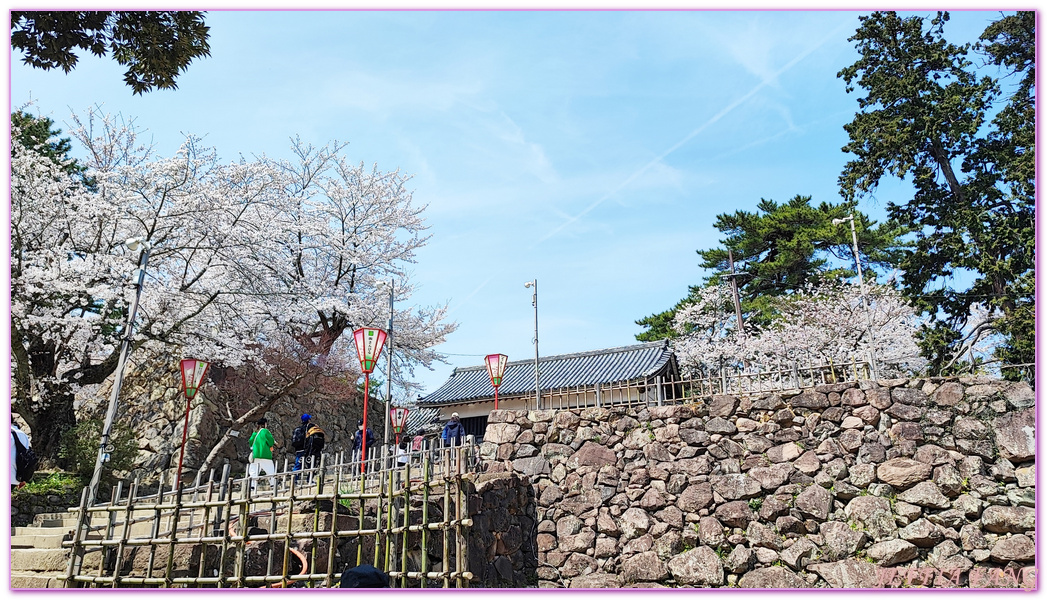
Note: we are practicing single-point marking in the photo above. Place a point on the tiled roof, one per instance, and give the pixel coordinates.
(613, 365)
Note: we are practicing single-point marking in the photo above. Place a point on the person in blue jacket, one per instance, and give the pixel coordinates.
(454, 431)
(358, 439)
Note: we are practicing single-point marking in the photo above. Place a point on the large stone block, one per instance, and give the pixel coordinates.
(1016, 435)
(772, 577)
(645, 566)
(903, 472)
(700, 566)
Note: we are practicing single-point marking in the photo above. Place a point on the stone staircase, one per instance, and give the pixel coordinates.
(37, 557)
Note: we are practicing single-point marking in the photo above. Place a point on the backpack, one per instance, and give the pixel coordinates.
(26, 460)
(298, 438)
(315, 436)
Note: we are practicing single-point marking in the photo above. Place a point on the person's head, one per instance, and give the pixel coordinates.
(454, 416)
(364, 576)
(261, 422)
(305, 419)
(360, 424)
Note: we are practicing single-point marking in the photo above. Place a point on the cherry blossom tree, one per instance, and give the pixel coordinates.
(245, 256)
(823, 324)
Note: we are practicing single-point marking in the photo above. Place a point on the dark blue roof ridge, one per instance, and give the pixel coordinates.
(541, 359)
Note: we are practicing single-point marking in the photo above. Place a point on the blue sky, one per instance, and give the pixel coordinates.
(591, 150)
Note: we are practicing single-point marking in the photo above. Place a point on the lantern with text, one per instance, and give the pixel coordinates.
(193, 372)
(398, 418)
(369, 342)
(496, 368)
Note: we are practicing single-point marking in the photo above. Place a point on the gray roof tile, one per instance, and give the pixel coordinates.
(612, 365)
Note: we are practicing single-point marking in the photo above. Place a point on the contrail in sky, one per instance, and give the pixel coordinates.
(723, 112)
(726, 110)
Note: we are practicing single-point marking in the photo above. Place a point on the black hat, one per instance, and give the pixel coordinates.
(262, 421)
(360, 423)
(364, 576)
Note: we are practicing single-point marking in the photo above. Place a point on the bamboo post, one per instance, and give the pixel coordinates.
(110, 527)
(332, 546)
(458, 528)
(77, 552)
(405, 537)
(291, 488)
(209, 497)
(241, 550)
(156, 525)
(446, 529)
(126, 532)
(382, 472)
(225, 494)
(171, 543)
(426, 479)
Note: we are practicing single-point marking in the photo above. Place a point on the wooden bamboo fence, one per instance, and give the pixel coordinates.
(296, 529)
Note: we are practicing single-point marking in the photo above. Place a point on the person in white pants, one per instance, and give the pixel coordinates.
(262, 446)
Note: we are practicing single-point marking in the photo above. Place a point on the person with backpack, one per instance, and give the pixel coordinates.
(454, 431)
(314, 445)
(23, 459)
(298, 442)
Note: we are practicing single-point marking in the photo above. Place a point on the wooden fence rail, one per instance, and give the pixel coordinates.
(297, 528)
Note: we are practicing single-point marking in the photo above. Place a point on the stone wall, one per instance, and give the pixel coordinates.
(901, 483)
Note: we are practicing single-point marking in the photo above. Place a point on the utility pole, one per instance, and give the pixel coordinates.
(734, 290)
(737, 302)
(537, 384)
(389, 367)
(105, 446)
(861, 282)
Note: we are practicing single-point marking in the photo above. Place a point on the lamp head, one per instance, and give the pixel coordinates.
(529, 284)
(840, 221)
(136, 243)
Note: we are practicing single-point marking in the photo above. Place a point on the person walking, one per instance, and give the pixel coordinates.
(262, 446)
(19, 438)
(298, 442)
(358, 440)
(314, 445)
(454, 431)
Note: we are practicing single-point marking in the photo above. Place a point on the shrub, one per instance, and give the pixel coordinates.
(80, 449)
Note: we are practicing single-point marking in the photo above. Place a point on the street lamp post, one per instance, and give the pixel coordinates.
(104, 448)
(193, 372)
(865, 300)
(496, 368)
(537, 386)
(389, 370)
(369, 342)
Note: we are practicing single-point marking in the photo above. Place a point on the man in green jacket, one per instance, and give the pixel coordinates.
(262, 445)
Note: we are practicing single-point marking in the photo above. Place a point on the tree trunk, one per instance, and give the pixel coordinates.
(49, 422)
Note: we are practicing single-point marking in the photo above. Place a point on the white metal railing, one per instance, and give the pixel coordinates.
(657, 391)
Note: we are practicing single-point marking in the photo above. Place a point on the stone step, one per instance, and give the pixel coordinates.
(62, 522)
(47, 560)
(69, 514)
(35, 580)
(37, 541)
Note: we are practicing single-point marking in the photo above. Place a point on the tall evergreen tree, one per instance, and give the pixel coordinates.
(923, 118)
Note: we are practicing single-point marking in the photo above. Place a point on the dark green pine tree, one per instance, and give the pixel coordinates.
(780, 249)
(923, 119)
